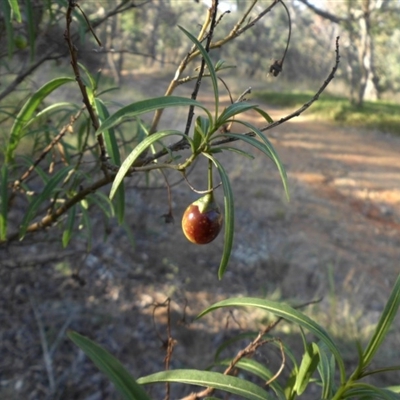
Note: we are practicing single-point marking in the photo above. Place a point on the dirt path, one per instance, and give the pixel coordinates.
(345, 202)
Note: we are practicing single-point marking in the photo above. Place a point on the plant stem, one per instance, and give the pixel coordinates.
(210, 177)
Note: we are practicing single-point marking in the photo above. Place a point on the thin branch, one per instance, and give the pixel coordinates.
(199, 191)
(55, 141)
(50, 53)
(324, 14)
(74, 63)
(236, 31)
(213, 14)
(300, 110)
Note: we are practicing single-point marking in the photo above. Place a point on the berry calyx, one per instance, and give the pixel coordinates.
(202, 220)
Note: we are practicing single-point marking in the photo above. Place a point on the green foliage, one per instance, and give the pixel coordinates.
(26, 113)
(114, 370)
(318, 356)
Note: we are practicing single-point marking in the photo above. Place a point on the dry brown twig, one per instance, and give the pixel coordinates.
(66, 128)
(169, 343)
(72, 4)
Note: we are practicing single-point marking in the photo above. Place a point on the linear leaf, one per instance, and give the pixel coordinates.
(50, 109)
(251, 141)
(27, 111)
(210, 66)
(201, 129)
(288, 313)
(384, 324)
(307, 367)
(103, 202)
(229, 216)
(109, 365)
(136, 152)
(145, 106)
(234, 109)
(273, 154)
(108, 134)
(15, 13)
(214, 380)
(86, 223)
(69, 227)
(233, 150)
(381, 370)
(366, 391)
(113, 150)
(264, 114)
(48, 190)
(5, 7)
(258, 369)
(326, 369)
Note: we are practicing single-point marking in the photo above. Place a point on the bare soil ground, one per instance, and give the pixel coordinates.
(340, 231)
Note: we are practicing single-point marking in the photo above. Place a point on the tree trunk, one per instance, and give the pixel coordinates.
(368, 89)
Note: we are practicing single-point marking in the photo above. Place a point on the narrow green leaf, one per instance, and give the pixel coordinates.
(233, 150)
(227, 383)
(273, 154)
(251, 141)
(201, 128)
(145, 106)
(103, 202)
(27, 111)
(86, 223)
(108, 134)
(220, 65)
(326, 369)
(209, 64)
(394, 389)
(288, 313)
(288, 388)
(90, 81)
(139, 149)
(15, 13)
(69, 227)
(381, 370)
(384, 324)
(3, 202)
(6, 9)
(307, 368)
(61, 106)
(109, 365)
(48, 191)
(365, 391)
(232, 110)
(264, 114)
(229, 218)
(113, 150)
(258, 369)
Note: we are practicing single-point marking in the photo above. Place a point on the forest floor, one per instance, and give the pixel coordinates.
(338, 238)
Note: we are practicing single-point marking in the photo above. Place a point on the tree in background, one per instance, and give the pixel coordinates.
(365, 23)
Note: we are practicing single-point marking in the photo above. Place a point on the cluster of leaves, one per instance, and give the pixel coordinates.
(321, 365)
(63, 199)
